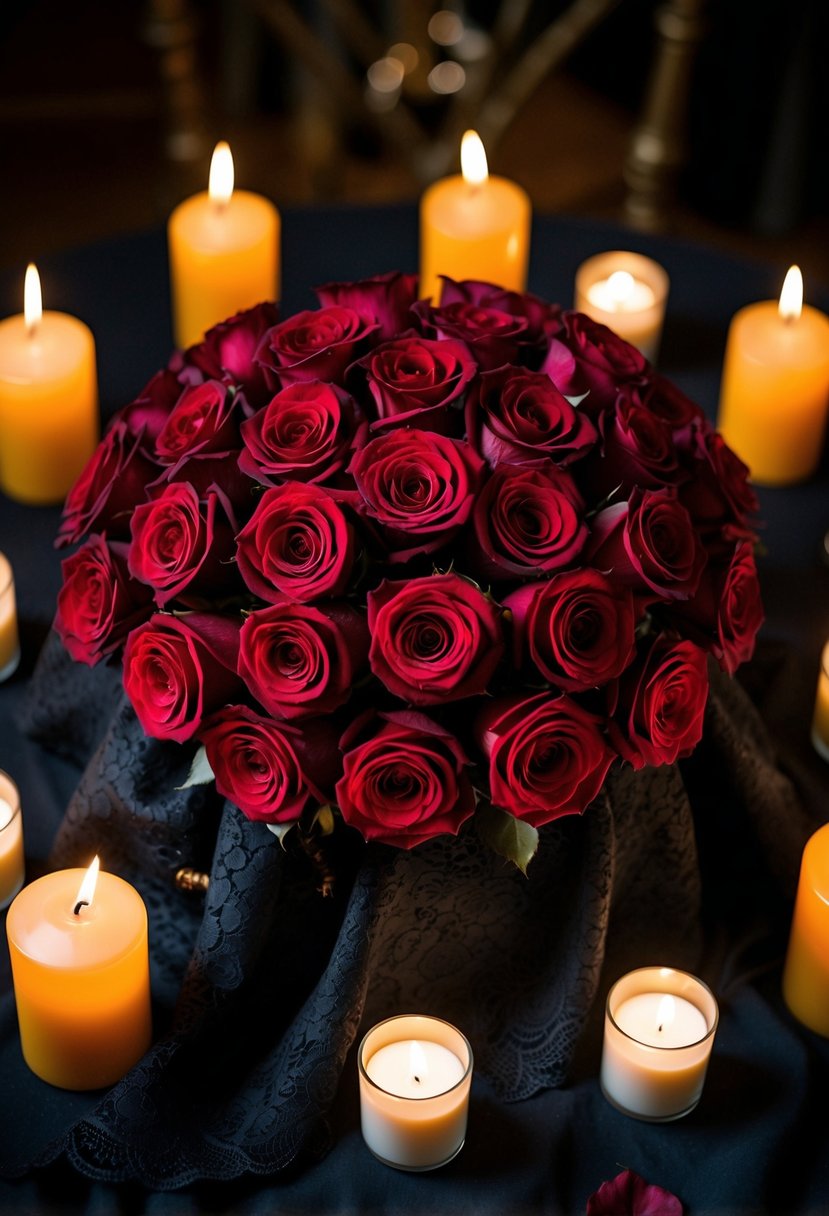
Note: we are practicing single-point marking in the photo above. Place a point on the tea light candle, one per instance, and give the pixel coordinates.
(224, 252)
(9, 639)
(415, 1073)
(775, 386)
(659, 1030)
(806, 972)
(628, 293)
(78, 945)
(48, 400)
(12, 866)
(474, 226)
(820, 720)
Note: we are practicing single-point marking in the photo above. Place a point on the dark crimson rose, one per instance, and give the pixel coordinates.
(297, 543)
(718, 490)
(638, 449)
(181, 545)
(98, 603)
(203, 420)
(226, 352)
(418, 382)
(661, 702)
(406, 782)
(587, 357)
(147, 414)
(493, 337)
(180, 669)
(516, 416)
(667, 401)
(419, 486)
(543, 319)
(546, 756)
(297, 659)
(387, 298)
(727, 611)
(528, 522)
(106, 492)
(433, 639)
(630, 1195)
(305, 433)
(314, 345)
(578, 628)
(648, 543)
(271, 770)
(216, 472)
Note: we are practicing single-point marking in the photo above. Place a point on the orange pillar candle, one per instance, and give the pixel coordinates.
(12, 865)
(48, 400)
(775, 386)
(820, 718)
(473, 226)
(224, 253)
(627, 292)
(9, 638)
(806, 973)
(81, 977)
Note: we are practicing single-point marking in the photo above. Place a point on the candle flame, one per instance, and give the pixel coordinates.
(620, 287)
(32, 298)
(220, 183)
(86, 891)
(666, 1012)
(791, 297)
(473, 159)
(418, 1063)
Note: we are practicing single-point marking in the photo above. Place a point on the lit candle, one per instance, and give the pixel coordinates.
(12, 866)
(78, 945)
(806, 973)
(473, 226)
(628, 293)
(48, 400)
(775, 386)
(659, 1030)
(224, 252)
(820, 720)
(415, 1074)
(9, 638)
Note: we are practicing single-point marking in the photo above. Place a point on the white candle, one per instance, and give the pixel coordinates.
(11, 841)
(9, 638)
(620, 292)
(659, 1030)
(627, 292)
(415, 1073)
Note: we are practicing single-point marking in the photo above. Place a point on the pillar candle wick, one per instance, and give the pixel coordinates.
(82, 903)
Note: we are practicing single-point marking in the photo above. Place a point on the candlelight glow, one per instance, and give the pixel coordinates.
(86, 891)
(220, 183)
(473, 159)
(791, 297)
(620, 287)
(417, 1061)
(32, 298)
(666, 1012)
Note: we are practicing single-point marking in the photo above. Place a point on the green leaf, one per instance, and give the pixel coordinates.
(280, 830)
(200, 771)
(324, 820)
(507, 836)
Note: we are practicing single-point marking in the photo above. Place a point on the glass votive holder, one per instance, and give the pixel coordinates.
(627, 292)
(820, 719)
(9, 637)
(658, 1033)
(12, 865)
(415, 1074)
(806, 972)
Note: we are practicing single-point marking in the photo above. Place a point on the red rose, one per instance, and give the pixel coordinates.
(180, 669)
(419, 486)
(433, 639)
(417, 382)
(203, 420)
(298, 660)
(638, 449)
(667, 402)
(630, 1195)
(718, 491)
(226, 352)
(105, 494)
(543, 319)
(528, 522)
(306, 432)
(98, 603)
(314, 345)
(516, 416)
(587, 357)
(494, 337)
(578, 628)
(727, 612)
(661, 702)
(405, 783)
(387, 298)
(215, 472)
(272, 771)
(649, 543)
(147, 414)
(297, 543)
(546, 756)
(181, 545)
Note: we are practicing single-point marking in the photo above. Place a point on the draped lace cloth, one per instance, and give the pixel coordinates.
(262, 987)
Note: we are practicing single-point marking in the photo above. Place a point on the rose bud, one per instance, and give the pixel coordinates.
(433, 639)
(406, 782)
(226, 352)
(387, 298)
(727, 611)
(587, 357)
(180, 669)
(106, 492)
(298, 660)
(305, 433)
(578, 628)
(204, 420)
(147, 414)
(98, 603)
(661, 701)
(546, 756)
(516, 416)
(414, 381)
(314, 345)
(271, 770)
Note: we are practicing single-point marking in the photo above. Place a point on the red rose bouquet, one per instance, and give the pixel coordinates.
(407, 563)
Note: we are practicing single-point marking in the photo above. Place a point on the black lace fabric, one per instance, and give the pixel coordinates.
(261, 986)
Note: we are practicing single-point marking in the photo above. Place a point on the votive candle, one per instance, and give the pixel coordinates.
(627, 292)
(806, 972)
(12, 865)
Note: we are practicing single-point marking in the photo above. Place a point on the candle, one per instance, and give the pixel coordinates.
(12, 867)
(48, 400)
(78, 945)
(775, 386)
(224, 252)
(820, 720)
(806, 973)
(659, 1030)
(628, 293)
(415, 1074)
(9, 639)
(473, 226)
